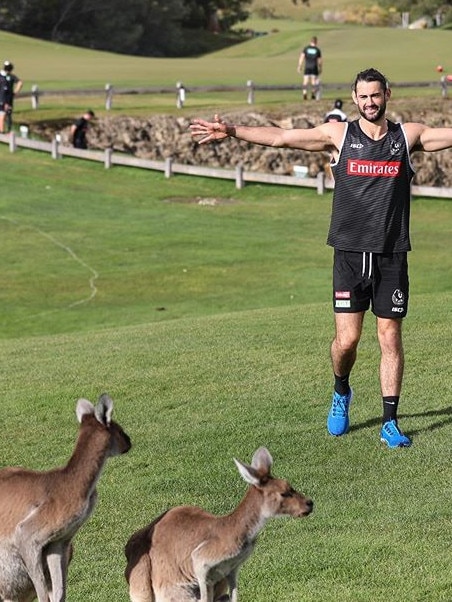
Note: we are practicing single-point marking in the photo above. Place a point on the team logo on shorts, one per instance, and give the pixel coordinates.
(342, 299)
(342, 294)
(398, 298)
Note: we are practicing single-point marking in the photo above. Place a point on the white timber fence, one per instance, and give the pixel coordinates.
(109, 158)
(181, 91)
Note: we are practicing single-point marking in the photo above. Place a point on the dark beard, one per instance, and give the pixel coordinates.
(378, 115)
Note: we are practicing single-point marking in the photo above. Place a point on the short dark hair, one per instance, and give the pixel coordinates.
(371, 75)
(90, 112)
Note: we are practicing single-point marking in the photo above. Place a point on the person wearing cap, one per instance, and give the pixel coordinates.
(10, 85)
(79, 129)
(336, 113)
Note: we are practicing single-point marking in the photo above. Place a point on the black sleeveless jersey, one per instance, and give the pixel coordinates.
(372, 192)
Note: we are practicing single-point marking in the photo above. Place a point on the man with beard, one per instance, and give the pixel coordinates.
(369, 231)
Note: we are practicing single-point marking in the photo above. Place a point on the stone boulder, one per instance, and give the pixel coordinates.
(161, 136)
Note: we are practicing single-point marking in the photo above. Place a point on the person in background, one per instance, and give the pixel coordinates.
(10, 85)
(79, 129)
(310, 61)
(336, 113)
(369, 231)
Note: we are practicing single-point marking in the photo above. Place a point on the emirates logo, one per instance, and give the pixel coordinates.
(386, 169)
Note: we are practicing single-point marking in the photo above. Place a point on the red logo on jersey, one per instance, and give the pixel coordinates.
(387, 169)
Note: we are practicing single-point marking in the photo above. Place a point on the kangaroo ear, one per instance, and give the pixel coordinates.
(248, 473)
(83, 408)
(262, 460)
(104, 409)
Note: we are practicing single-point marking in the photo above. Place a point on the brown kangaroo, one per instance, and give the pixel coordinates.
(40, 512)
(188, 555)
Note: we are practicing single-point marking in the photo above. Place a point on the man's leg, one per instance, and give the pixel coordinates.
(8, 126)
(305, 86)
(316, 87)
(392, 357)
(392, 364)
(343, 357)
(344, 346)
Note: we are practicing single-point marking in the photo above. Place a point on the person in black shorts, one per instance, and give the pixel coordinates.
(79, 129)
(10, 85)
(310, 61)
(369, 230)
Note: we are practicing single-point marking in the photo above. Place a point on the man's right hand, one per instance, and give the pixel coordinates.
(209, 130)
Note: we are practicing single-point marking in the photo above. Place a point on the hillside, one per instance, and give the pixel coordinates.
(269, 59)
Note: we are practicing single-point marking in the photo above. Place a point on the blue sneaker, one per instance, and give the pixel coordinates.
(393, 436)
(338, 422)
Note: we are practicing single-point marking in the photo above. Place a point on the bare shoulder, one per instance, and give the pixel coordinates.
(413, 131)
(324, 137)
(334, 132)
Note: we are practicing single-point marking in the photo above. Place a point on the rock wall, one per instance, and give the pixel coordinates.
(163, 136)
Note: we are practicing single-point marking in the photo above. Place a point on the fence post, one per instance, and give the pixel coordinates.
(34, 97)
(108, 160)
(250, 86)
(443, 86)
(109, 96)
(168, 167)
(239, 177)
(180, 95)
(12, 142)
(321, 182)
(55, 144)
(23, 129)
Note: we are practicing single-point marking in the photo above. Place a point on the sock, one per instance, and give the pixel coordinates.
(341, 384)
(390, 405)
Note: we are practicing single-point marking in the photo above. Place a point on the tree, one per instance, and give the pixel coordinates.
(215, 15)
(147, 27)
(420, 8)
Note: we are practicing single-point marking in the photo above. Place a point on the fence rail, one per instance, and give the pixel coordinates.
(169, 168)
(180, 90)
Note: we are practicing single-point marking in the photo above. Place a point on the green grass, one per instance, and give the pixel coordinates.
(210, 327)
(266, 60)
(71, 225)
(239, 358)
(195, 392)
(270, 59)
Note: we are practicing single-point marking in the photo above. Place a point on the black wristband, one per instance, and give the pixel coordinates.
(230, 130)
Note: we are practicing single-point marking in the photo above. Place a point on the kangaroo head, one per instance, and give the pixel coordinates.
(278, 497)
(119, 440)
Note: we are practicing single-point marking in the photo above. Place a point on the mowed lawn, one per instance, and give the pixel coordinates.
(266, 60)
(210, 325)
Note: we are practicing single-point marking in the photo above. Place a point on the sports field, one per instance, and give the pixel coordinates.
(210, 326)
(205, 313)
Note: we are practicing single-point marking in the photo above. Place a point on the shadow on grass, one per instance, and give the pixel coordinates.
(446, 413)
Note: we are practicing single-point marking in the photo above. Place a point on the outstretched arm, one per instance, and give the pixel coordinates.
(424, 138)
(325, 137)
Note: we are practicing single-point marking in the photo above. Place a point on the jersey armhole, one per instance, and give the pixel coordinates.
(333, 161)
(408, 148)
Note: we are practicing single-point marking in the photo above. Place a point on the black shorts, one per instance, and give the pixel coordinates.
(311, 71)
(362, 279)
